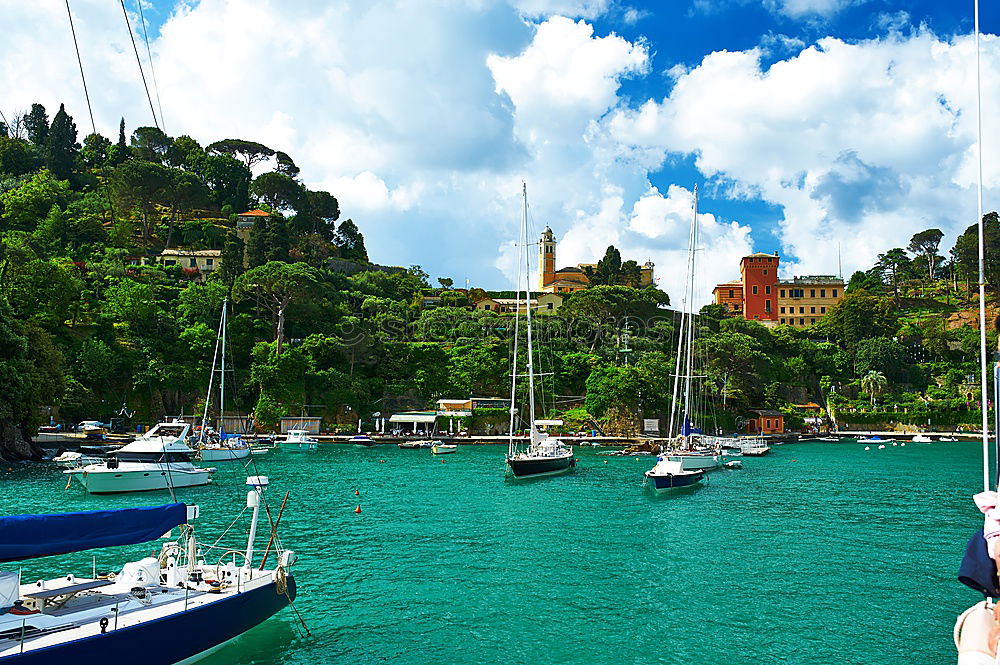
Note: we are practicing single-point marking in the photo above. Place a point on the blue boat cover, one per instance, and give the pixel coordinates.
(687, 429)
(30, 536)
(978, 570)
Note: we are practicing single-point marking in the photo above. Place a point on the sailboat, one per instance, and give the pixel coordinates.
(696, 451)
(217, 445)
(176, 606)
(544, 455)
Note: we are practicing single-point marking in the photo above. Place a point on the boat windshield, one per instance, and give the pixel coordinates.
(151, 458)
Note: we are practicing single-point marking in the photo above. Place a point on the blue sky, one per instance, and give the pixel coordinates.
(808, 125)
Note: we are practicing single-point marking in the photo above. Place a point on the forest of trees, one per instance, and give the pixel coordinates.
(89, 328)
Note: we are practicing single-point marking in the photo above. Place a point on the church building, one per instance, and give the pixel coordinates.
(571, 278)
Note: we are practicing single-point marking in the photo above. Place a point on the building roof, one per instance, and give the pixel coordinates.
(728, 285)
(807, 405)
(771, 413)
(760, 254)
(813, 279)
(571, 269)
(213, 253)
(254, 213)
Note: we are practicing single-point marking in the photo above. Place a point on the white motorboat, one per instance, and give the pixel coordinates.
(670, 475)
(227, 450)
(947, 438)
(873, 439)
(298, 440)
(922, 438)
(362, 440)
(158, 460)
(174, 607)
(438, 448)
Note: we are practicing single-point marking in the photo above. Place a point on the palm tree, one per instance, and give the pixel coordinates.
(874, 383)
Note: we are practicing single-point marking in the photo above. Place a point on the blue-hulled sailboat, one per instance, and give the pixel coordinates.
(160, 610)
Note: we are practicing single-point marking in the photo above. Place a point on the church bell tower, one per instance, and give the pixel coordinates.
(546, 259)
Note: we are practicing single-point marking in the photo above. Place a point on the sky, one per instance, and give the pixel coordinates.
(825, 130)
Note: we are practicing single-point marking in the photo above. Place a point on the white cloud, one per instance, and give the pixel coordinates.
(861, 144)
(540, 9)
(809, 8)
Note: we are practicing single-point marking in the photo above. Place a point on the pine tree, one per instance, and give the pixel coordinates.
(351, 242)
(37, 124)
(119, 152)
(60, 145)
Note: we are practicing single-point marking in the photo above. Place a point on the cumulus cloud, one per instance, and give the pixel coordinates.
(861, 144)
(809, 8)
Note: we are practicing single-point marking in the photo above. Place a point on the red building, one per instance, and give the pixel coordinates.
(759, 274)
(766, 421)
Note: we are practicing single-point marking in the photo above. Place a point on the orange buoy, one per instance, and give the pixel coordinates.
(358, 509)
(442, 461)
(356, 492)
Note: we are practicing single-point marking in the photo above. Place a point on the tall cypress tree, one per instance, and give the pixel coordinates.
(60, 145)
(37, 123)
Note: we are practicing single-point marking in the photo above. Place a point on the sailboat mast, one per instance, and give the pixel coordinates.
(527, 308)
(982, 272)
(211, 375)
(521, 240)
(222, 375)
(690, 306)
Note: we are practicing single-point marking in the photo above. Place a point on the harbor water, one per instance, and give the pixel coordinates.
(819, 553)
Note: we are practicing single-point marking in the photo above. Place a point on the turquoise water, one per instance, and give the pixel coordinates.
(820, 553)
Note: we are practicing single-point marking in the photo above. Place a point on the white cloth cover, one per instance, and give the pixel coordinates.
(9, 591)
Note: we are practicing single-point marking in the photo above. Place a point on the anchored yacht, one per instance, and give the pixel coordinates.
(158, 460)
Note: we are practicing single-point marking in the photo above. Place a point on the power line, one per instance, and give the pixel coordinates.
(79, 61)
(149, 55)
(138, 61)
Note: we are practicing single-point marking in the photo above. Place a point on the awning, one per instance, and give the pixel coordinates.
(30, 536)
(413, 418)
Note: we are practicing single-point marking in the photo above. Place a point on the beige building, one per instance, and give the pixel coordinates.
(197, 263)
(540, 302)
(802, 301)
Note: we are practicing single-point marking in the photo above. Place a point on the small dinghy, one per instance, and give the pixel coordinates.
(734, 464)
(439, 448)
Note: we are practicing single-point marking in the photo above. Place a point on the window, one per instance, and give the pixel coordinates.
(209, 262)
(767, 306)
(765, 271)
(782, 293)
(486, 306)
(802, 310)
(782, 311)
(548, 250)
(812, 293)
(835, 293)
(812, 310)
(755, 289)
(822, 310)
(169, 262)
(768, 425)
(756, 316)
(549, 306)
(731, 293)
(767, 290)
(796, 293)
(812, 321)
(194, 263)
(822, 293)
(802, 322)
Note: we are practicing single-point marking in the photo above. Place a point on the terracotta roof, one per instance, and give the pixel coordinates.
(756, 254)
(255, 213)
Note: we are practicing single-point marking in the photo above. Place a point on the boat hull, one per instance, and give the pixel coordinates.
(671, 481)
(697, 462)
(176, 638)
(224, 454)
(117, 482)
(298, 447)
(442, 450)
(540, 466)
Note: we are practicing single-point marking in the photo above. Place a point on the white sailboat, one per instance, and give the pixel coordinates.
(216, 445)
(695, 450)
(544, 455)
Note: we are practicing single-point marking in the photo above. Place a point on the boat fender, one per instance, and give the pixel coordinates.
(976, 634)
(104, 625)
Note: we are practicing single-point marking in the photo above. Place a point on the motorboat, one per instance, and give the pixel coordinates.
(438, 448)
(669, 475)
(696, 460)
(829, 439)
(734, 464)
(298, 440)
(413, 445)
(362, 440)
(922, 438)
(873, 439)
(228, 450)
(158, 460)
(947, 438)
(173, 607)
